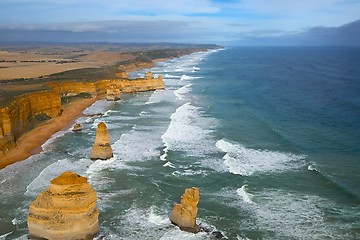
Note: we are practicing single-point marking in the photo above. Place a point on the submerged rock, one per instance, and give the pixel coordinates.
(101, 148)
(113, 93)
(77, 127)
(184, 213)
(65, 210)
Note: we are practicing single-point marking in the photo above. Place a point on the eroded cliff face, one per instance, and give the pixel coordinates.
(184, 213)
(27, 111)
(113, 93)
(24, 113)
(72, 88)
(129, 86)
(65, 210)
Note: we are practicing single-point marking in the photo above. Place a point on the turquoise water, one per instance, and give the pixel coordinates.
(269, 135)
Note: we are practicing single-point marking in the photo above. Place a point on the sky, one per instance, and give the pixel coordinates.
(239, 22)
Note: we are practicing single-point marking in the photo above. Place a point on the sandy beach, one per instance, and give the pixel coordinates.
(19, 66)
(30, 143)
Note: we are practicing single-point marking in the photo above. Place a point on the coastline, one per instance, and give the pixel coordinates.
(30, 143)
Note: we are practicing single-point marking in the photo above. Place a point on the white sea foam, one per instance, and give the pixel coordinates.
(171, 76)
(48, 144)
(189, 172)
(96, 122)
(179, 93)
(161, 96)
(246, 197)
(179, 69)
(110, 112)
(195, 69)
(177, 234)
(53, 170)
(150, 223)
(95, 170)
(188, 131)
(294, 215)
(139, 144)
(312, 168)
(186, 63)
(3, 237)
(246, 161)
(169, 164)
(286, 214)
(98, 107)
(137, 223)
(185, 77)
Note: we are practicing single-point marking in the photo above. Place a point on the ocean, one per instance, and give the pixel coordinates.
(270, 136)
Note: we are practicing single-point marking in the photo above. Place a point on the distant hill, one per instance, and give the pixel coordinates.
(345, 35)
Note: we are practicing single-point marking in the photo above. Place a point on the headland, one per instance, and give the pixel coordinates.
(43, 98)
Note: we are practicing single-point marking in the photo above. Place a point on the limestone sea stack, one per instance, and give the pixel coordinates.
(113, 93)
(66, 210)
(101, 148)
(184, 213)
(148, 75)
(77, 127)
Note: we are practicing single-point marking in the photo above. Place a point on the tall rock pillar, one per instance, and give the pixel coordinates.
(184, 213)
(101, 148)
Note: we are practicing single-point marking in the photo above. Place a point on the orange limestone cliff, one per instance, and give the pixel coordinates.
(101, 148)
(184, 213)
(122, 74)
(73, 88)
(24, 113)
(113, 93)
(65, 210)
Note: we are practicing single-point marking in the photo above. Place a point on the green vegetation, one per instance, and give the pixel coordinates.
(67, 99)
(41, 117)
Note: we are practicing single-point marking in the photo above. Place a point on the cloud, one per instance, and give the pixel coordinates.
(210, 20)
(345, 35)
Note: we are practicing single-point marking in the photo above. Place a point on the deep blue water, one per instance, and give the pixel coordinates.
(269, 135)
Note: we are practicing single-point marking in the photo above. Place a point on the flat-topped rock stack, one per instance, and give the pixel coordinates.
(113, 93)
(65, 210)
(184, 213)
(77, 127)
(101, 148)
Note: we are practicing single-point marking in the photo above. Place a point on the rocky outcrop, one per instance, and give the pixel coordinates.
(184, 213)
(122, 74)
(24, 113)
(101, 148)
(148, 75)
(77, 127)
(65, 210)
(72, 88)
(18, 117)
(113, 93)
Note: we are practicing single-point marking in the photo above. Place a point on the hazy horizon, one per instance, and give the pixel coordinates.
(229, 22)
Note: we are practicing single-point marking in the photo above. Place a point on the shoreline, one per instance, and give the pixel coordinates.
(30, 143)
